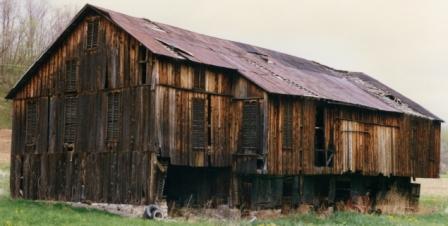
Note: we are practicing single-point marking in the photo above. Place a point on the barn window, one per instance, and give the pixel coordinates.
(70, 121)
(142, 64)
(71, 78)
(199, 78)
(113, 117)
(31, 125)
(198, 124)
(287, 126)
(319, 137)
(250, 131)
(92, 33)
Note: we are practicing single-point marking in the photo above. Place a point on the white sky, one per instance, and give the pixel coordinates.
(403, 43)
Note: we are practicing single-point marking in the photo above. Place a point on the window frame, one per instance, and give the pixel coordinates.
(113, 117)
(199, 78)
(250, 128)
(92, 33)
(143, 59)
(70, 121)
(321, 155)
(199, 141)
(71, 76)
(31, 132)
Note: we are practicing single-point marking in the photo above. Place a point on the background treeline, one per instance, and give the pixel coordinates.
(27, 27)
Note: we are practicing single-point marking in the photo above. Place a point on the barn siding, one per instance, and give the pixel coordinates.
(379, 143)
(92, 171)
(175, 93)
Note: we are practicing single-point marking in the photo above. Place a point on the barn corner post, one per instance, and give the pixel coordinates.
(127, 110)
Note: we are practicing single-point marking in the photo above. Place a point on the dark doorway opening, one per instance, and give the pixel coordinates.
(197, 186)
(342, 190)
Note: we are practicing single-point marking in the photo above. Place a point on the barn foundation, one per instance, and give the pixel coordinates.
(262, 192)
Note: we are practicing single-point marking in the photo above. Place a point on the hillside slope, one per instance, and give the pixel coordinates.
(5, 110)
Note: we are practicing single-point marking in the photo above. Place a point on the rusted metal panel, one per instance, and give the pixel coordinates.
(273, 71)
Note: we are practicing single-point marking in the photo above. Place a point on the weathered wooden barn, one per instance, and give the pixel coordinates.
(122, 109)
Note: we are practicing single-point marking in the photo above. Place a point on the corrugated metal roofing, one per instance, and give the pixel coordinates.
(275, 72)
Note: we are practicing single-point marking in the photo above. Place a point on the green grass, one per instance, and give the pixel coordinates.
(26, 212)
(436, 217)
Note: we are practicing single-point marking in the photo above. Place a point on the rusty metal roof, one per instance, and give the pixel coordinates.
(275, 72)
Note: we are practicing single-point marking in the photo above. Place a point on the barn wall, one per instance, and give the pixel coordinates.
(92, 168)
(223, 94)
(363, 141)
(281, 161)
(421, 151)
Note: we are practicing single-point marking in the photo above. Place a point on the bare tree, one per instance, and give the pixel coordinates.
(26, 29)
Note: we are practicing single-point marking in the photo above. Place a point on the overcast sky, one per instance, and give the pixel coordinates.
(403, 43)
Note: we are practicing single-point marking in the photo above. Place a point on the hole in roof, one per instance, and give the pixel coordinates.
(153, 26)
(263, 56)
(267, 59)
(390, 96)
(181, 52)
(393, 98)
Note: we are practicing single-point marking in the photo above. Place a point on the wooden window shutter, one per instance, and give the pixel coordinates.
(92, 33)
(113, 117)
(71, 79)
(199, 78)
(71, 119)
(250, 131)
(31, 125)
(287, 125)
(198, 131)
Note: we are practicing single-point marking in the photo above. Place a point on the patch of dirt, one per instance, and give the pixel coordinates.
(5, 145)
(433, 187)
(124, 210)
